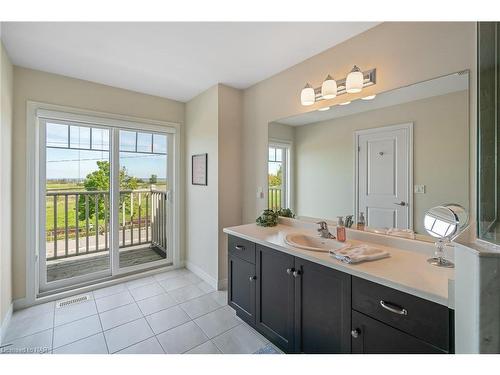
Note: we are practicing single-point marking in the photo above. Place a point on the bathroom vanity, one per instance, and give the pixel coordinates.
(308, 302)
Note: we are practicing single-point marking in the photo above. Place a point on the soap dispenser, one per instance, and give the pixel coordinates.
(340, 229)
(361, 222)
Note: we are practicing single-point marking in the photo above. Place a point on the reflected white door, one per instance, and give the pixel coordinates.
(384, 176)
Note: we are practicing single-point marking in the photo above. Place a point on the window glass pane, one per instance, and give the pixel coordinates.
(100, 139)
(272, 154)
(159, 144)
(57, 135)
(79, 137)
(144, 142)
(127, 140)
(279, 154)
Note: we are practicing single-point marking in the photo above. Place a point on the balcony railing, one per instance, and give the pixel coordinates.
(274, 195)
(78, 222)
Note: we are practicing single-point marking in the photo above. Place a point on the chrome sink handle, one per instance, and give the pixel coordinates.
(323, 230)
(393, 308)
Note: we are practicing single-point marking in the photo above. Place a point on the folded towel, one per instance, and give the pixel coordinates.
(359, 253)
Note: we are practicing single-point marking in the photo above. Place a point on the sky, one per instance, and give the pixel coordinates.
(75, 159)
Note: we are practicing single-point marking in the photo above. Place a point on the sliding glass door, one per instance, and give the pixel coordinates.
(105, 201)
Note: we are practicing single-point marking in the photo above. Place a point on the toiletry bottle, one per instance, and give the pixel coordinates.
(361, 222)
(340, 229)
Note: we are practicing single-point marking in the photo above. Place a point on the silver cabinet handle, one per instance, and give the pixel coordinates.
(252, 278)
(239, 247)
(355, 333)
(296, 273)
(290, 271)
(393, 308)
(402, 203)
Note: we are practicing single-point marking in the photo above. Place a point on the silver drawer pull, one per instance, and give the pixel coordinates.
(239, 247)
(393, 308)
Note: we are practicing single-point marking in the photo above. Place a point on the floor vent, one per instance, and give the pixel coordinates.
(72, 300)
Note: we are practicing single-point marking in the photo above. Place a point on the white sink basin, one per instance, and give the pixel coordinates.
(312, 243)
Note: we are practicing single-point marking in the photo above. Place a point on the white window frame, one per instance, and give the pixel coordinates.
(37, 110)
(287, 188)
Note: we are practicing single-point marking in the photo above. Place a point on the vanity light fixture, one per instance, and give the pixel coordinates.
(369, 97)
(307, 95)
(345, 103)
(329, 88)
(354, 81)
(323, 109)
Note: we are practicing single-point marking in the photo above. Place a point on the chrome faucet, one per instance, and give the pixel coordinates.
(323, 230)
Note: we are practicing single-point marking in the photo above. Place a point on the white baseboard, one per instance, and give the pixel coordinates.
(222, 284)
(202, 274)
(5, 323)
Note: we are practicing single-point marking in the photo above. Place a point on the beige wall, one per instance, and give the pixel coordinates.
(324, 155)
(230, 173)
(213, 126)
(56, 89)
(403, 53)
(202, 123)
(6, 105)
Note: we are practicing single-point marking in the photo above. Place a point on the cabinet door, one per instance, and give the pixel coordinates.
(241, 290)
(275, 295)
(370, 336)
(322, 309)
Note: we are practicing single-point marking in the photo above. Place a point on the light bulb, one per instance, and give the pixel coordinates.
(329, 88)
(307, 95)
(354, 81)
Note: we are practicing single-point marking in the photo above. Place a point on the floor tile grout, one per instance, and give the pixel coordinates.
(192, 281)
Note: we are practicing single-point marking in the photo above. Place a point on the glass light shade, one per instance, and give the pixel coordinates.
(307, 96)
(369, 97)
(354, 81)
(329, 88)
(323, 109)
(345, 103)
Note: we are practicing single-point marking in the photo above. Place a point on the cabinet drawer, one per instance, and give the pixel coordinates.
(241, 248)
(372, 337)
(426, 320)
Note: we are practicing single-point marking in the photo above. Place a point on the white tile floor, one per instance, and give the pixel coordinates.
(171, 312)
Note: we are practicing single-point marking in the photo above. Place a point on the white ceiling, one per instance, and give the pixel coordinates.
(171, 59)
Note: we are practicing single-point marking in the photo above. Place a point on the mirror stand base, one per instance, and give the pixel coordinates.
(441, 262)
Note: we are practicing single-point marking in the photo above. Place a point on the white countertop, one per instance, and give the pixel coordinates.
(405, 270)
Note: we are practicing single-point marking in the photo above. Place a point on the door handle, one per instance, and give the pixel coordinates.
(400, 203)
(239, 247)
(252, 278)
(296, 273)
(355, 333)
(290, 270)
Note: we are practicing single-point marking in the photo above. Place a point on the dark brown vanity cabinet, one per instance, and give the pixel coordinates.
(242, 278)
(385, 320)
(304, 307)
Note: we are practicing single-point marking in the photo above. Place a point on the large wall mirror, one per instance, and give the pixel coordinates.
(392, 156)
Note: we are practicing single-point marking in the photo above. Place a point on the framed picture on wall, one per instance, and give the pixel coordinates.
(199, 165)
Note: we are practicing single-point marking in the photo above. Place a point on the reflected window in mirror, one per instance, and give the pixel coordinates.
(488, 131)
(278, 175)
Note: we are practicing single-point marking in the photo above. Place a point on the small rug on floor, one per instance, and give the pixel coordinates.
(268, 349)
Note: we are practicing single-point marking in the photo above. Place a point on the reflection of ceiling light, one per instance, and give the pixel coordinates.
(354, 81)
(345, 103)
(369, 97)
(329, 88)
(307, 96)
(323, 109)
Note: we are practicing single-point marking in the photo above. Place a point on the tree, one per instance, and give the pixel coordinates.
(99, 181)
(275, 179)
(153, 179)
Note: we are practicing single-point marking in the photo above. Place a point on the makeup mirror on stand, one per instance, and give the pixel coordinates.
(445, 223)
